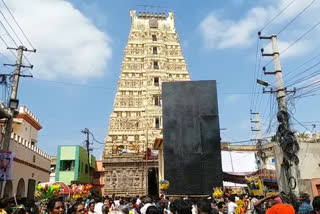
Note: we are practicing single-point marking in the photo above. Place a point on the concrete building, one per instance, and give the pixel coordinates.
(30, 164)
(153, 55)
(53, 167)
(99, 178)
(73, 165)
(309, 163)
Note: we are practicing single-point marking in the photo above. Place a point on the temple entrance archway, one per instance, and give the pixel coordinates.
(21, 188)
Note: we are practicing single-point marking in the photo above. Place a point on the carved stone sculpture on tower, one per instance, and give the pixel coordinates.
(152, 56)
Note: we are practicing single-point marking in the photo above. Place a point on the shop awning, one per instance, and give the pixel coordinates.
(267, 176)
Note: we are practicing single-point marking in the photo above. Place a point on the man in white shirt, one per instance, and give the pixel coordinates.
(147, 203)
(98, 206)
(231, 205)
(138, 200)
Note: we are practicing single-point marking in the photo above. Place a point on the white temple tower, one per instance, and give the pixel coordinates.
(153, 55)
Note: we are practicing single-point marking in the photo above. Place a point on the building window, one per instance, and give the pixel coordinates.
(34, 159)
(86, 168)
(154, 50)
(67, 165)
(124, 137)
(96, 175)
(157, 123)
(156, 81)
(154, 38)
(156, 99)
(33, 142)
(155, 65)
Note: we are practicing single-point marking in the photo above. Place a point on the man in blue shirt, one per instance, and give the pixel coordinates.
(305, 207)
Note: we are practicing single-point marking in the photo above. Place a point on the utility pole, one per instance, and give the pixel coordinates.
(86, 131)
(13, 103)
(257, 127)
(288, 172)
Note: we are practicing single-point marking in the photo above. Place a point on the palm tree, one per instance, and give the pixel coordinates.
(303, 136)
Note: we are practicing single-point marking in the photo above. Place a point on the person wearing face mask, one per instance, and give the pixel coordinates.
(55, 206)
(305, 207)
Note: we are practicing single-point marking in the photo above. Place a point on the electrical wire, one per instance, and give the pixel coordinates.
(291, 71)
(291, 116)
(25, 57)
(299, 38)
(309, 5)
(74, 84)
(257, 87)
(11, 27)
(254, 73)
(95, 138)
(4, 41)
(17, 24)
(4, 27)
(290, 82)
(276, 16)
(242, 141)
(307, 78)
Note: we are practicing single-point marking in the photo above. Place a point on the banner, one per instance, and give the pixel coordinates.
(6, 162)
(255, 185)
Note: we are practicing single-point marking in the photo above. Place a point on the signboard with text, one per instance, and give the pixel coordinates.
(6, 162)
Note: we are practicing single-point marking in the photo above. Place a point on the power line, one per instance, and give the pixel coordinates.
(276, 16)
(11, 27)
(25, 57)
(4, 27)
(290, 83)
(254, 85)
(303, 35)
(296, 17)
(94, 139)
(290, 72)
(4, 41)
(257, 87)
(74, 84)
(297, 40)
(242, 141)
(105, 88)
(300, 123)
(18, 25)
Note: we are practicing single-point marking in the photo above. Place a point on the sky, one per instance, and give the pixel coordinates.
(80, 46)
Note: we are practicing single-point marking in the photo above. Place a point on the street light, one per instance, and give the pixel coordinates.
(13, 104)
(261, 82)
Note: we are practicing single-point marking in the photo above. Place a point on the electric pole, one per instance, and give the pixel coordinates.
(257, 127)
(87, 132)
(13, 103)
(287, 172)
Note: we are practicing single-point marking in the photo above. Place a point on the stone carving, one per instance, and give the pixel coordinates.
(134, 115)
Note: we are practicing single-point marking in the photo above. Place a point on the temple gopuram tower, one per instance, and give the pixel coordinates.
(152, 56)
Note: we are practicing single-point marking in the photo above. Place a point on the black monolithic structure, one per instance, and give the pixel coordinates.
(192, 152)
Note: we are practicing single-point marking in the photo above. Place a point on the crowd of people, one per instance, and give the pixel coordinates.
(231, 204)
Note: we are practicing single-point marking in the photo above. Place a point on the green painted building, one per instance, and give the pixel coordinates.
(73, 166)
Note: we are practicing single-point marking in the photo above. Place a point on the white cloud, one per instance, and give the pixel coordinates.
(68, 44)
(220, 32)
(227, 33)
